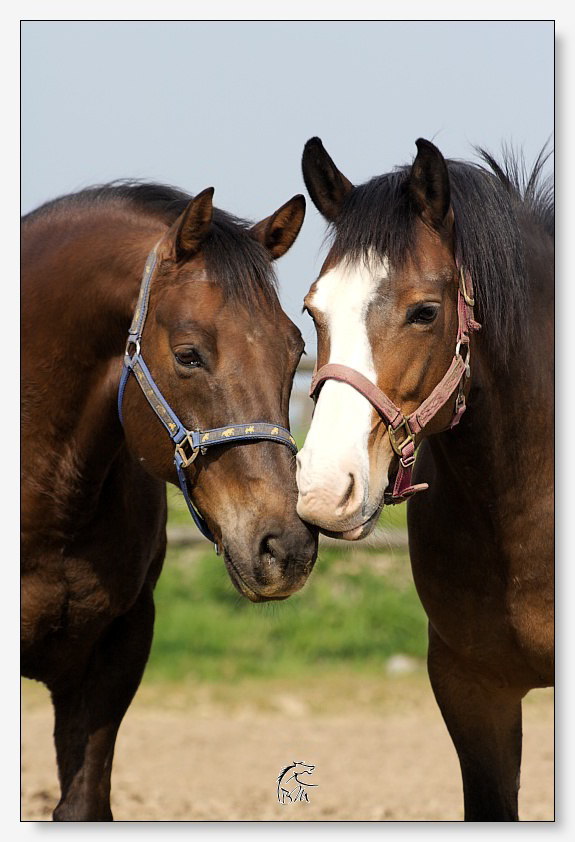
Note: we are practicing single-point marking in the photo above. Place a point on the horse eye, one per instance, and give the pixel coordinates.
(188, 357)
(422, 315)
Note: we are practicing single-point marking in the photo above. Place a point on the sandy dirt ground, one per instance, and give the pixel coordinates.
(381, 753)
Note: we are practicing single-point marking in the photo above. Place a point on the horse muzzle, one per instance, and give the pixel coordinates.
(276, 565)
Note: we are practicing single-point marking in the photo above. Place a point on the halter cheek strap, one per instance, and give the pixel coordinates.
(188, 444)
(402, 430)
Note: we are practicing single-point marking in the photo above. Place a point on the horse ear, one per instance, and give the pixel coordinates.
(278, 232)
(429, 184)
(192, 227)
(326, 185)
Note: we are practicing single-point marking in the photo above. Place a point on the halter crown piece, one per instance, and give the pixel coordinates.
(402, 430)
(188, 443)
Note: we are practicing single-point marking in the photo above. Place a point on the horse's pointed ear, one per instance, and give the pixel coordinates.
(192, 227)
(279, 231)
(326, 185)
(429, 185)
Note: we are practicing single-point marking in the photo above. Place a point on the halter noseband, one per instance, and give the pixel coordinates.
(188, 443)
(402, 429)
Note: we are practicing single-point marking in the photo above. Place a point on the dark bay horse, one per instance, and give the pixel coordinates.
(221, 352)
(420, 259)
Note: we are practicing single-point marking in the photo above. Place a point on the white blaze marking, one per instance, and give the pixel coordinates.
(337, 442)
(343, 295)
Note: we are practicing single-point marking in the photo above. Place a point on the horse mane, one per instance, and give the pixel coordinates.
(241, 266)
(489, 202)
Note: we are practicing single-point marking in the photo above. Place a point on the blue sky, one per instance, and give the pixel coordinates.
(231, 104)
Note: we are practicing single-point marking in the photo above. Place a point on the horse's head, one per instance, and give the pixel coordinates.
(223, 353)
(385, 305)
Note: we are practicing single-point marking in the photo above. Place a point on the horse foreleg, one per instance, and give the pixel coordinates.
(484, 722)
(89, 709)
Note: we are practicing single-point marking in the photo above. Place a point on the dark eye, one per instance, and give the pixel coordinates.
(188, 357)
(422, 314)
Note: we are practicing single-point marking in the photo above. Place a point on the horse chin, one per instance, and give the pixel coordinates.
(358, 532)
(241, 585)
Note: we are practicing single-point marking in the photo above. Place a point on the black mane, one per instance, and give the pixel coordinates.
(488, 205)
(241, 265)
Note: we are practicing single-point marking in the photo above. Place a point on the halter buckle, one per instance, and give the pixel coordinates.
(187, 458)
(399, 447)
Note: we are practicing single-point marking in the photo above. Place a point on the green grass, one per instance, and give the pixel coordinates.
(357, 609)
(299, 436)
(178, 514)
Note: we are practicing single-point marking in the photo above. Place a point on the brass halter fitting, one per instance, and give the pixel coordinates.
(187, 457)
(399, 447)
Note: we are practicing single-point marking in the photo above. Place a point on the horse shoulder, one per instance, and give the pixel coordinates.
(75, 586)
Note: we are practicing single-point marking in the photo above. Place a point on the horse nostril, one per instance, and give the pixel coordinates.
(286, 553)
(267, 553)
(348, 494)
(283, 559)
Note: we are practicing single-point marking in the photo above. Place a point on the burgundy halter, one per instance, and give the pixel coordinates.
(410, 426)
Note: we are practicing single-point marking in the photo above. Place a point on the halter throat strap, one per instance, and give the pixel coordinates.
(188, 444)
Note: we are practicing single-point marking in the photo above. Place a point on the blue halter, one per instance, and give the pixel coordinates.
(188, 443)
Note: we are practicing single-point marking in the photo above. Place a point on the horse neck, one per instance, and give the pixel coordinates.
(82, 278)
(81, 286)
(502, 450)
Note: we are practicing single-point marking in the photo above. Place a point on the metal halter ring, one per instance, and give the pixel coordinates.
(187, 459)
(409, 437)
(467, 359)
(136, 343)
